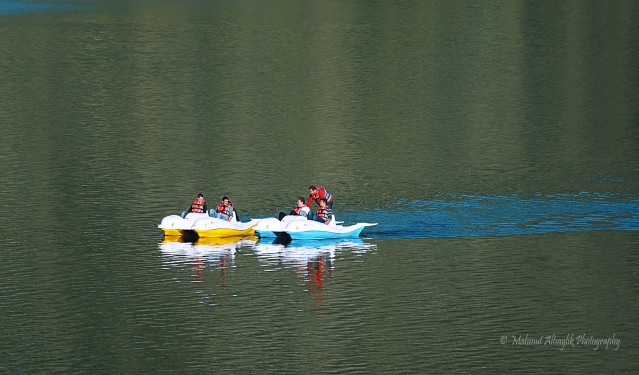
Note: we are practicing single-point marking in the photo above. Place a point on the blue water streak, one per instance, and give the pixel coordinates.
(12, 8)
(474, 215)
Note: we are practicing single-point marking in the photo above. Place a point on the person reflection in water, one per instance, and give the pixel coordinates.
(316, 271)
(198, 206)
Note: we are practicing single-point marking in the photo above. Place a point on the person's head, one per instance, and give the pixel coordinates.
(300, 202)
(323, 202)
(225, 200)
(312, 189)
(200, 196)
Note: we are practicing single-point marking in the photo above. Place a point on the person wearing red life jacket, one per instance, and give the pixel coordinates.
(324, 213)
(198, 205)
(300, 209)
(317, 193)
(224, 209)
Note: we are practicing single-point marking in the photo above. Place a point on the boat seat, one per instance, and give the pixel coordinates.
(334, 222)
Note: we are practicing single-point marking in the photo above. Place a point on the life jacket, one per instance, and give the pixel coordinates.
(321, 212)
(221, 208)
(197, 206)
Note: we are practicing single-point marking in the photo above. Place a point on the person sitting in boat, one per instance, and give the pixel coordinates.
(324, 213)
(317, 193)
(224, 210)
(300, 209)
(198, 205)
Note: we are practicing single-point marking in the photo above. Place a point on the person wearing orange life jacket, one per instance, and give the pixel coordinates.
(198, 206)
(324, 213)
(224, 209)
(317, 193)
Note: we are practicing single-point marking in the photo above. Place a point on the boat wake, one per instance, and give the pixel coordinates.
(476, 215)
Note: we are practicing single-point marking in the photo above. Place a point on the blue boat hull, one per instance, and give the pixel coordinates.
(318, 235)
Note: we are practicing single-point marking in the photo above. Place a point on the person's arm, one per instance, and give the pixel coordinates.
(310, 201)
(205, 209)
(329, 216)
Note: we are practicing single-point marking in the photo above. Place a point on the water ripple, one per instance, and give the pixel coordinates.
(9, 8)
(475, 215)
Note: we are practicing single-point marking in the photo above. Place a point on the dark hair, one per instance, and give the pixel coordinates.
(225, 197)
(312, 187)
(301, 199)
(200, 195)
(323, 200)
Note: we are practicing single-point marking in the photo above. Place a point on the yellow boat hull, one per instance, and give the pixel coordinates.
(223, 240)
(224, 232)
(168, 232)
(169, 239)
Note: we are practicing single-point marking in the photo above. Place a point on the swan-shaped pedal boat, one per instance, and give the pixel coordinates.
(205, 226)
(300, 228)
(176, 225)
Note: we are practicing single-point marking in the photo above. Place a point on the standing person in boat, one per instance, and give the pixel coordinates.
(324, 213)
(300, 209)
(224, 210)
(198, 205)
(317, 193)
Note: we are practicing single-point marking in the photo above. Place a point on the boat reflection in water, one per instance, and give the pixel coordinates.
(212, 262)
(218, 254)
(297, 252)
(177, 250)
(312, 260)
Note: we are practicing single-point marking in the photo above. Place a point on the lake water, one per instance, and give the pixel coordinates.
(496, 143)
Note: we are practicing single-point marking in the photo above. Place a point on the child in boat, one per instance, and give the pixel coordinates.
(324, 213)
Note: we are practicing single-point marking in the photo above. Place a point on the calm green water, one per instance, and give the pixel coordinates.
(496, 143)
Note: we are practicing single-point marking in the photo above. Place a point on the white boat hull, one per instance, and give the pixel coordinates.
(203, 226)
(298, 227)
